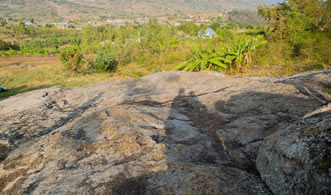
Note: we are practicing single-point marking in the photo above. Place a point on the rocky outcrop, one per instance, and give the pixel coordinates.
(167, 133)
(298, 159)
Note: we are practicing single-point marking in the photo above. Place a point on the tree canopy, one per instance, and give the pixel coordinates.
(289, 18)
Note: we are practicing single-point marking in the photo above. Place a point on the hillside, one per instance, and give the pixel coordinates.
(77, 9)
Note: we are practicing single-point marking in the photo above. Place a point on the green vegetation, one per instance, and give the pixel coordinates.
(20, 74)
(236, 56)
(240, 53)
(204, 58)
(34, 41)
(104, 61)
(299, 36)
(72, 58)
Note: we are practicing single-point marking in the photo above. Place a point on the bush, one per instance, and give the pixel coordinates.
(4, 46)
(104, 61)
(72, 58)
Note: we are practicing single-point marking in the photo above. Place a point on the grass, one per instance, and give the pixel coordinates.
(22, 74)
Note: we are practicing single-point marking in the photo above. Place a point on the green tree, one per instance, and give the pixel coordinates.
(215, 26)
(289, 19)
(189, 28)
(304, 26)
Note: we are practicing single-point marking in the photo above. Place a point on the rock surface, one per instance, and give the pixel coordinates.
(298, 158)
(169, 133)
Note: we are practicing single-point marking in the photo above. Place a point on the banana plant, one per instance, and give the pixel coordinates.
(240, 53)
(204, 58)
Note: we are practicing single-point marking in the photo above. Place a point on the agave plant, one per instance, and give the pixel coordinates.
(204, 58)
(240, 53)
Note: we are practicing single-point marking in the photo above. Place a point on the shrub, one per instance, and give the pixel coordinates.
(4, 45)
(72, 58)
(104, 61)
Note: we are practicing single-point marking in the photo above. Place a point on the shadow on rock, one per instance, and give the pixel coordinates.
(193, 143)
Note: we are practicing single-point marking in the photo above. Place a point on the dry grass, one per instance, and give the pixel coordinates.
(20, 74)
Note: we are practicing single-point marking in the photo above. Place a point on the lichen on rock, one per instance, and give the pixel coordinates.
(168, 133)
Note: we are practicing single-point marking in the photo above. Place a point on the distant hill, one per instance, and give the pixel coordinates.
(88, 9)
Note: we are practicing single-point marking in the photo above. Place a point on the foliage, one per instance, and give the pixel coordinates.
(21, 29)
(104, 61)
(72, 58)
(208, 57)
(231, 26)
(4, 45)
(189, 28)
(41, 41)
(298, 40)
(215, 26)
(240, 53)
(294, 16)
(302, 28)
(204, 58)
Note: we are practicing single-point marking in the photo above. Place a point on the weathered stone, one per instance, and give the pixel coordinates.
(297, 160)
(167, 133)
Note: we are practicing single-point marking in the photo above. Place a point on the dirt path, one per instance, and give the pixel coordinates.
(57, 7)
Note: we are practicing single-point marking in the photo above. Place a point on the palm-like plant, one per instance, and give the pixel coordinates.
(240, 53)
(204, 58)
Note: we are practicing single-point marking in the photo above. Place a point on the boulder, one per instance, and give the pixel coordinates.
(297, 160)
(166, 133)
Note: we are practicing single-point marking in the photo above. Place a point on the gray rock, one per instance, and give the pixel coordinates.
(297, 160)
(167, 133)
